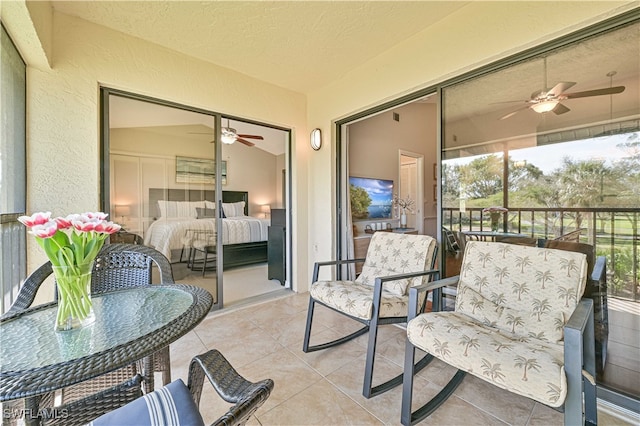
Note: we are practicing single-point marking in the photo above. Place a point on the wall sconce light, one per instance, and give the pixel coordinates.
(266, 209)
(316, 139)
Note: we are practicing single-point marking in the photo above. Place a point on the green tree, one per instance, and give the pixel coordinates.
(482, 177)
(360, 202)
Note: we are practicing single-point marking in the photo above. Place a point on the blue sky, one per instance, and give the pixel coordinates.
(550, 157)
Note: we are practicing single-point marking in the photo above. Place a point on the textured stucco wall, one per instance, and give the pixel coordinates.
(63, 111)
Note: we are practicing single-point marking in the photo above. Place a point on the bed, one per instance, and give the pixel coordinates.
(176, 211)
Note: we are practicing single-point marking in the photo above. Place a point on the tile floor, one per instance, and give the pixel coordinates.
(324, 388)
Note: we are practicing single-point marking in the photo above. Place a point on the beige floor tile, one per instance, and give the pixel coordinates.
(289, 373)
(513, 409)
(456, 411)
(545, 416)
(181, 352)
(328, 360)
(350, 379)
(244, 347)
(319, 404)
(287, 330)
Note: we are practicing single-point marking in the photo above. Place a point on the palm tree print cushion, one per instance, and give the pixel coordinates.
(504, 329)
(537, 288)
(392, 254)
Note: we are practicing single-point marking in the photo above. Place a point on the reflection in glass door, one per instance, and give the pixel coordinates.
(565, 162)
(202, 204)
(253, 243)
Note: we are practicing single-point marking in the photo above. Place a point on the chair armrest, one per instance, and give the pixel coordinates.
(435, 285)
(407, 275)
(231, 386)
(580, 317)
(27, 293)
(317, 265)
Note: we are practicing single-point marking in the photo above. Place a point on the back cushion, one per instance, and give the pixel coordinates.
(528, 291)
(392, 254)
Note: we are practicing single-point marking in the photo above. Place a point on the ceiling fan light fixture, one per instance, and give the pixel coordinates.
(545, 106)
(228, 135)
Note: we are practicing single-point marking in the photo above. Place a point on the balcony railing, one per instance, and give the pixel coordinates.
(612, 231)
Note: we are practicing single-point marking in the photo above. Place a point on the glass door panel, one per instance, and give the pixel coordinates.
(555, 140)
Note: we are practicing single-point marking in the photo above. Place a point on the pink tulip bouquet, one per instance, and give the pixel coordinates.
(71, 244)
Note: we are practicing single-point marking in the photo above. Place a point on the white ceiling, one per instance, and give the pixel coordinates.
(304, 45)
(299, 45)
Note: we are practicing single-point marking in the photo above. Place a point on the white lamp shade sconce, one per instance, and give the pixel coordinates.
(316, 139)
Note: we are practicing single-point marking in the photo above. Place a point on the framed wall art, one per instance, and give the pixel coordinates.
(198, 170)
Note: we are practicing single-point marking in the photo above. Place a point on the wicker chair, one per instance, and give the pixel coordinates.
(117, 267)
(393, 264)
(246, 396)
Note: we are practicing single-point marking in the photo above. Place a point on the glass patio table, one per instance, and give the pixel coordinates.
(130, 325)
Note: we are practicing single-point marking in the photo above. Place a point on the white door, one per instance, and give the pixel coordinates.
(411, 172)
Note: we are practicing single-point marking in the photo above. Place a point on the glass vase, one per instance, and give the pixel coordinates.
(495, 222)
(75, 309)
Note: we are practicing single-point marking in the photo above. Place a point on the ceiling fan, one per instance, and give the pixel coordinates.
(230, 135)
(547, 100)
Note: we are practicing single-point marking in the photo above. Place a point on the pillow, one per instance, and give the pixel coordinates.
(209, 204)
(171, 404)
(187, 208)
(167, 208)
(233, 209)
(205, 213)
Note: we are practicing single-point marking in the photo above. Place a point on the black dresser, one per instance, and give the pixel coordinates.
(276, 246)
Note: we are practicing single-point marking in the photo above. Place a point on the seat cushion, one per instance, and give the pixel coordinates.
(393, 254)
(356, 299)
(525, 366)
(169, 405)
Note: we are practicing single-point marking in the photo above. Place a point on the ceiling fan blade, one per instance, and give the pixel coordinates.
(247, 143)
(560, 109)
(251, 137)
(560, 88)
(597, 92)
(512, 113)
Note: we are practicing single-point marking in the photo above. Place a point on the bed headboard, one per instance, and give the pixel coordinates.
(174, 194)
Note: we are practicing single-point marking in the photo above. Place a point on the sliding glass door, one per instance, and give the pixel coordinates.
(555, 140)
(217, 211)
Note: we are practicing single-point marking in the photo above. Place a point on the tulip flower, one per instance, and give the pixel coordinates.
(71, 244)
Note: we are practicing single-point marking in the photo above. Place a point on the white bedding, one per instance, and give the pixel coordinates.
(167, 234)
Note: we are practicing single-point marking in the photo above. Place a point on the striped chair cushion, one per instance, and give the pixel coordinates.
(167, 406)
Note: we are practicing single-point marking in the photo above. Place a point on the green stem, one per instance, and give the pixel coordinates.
(73, 299)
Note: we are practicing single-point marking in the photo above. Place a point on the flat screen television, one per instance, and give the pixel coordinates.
(371, 198)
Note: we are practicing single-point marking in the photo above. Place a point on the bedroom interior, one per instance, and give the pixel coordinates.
(162, 188)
